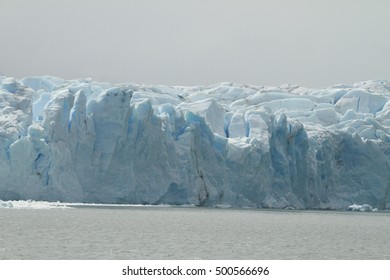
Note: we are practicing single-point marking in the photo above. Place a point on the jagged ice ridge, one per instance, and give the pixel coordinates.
(225, 144)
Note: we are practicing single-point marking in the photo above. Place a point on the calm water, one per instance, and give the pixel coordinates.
(191, 233)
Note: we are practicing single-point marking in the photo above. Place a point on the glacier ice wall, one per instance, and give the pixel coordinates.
(224, 144)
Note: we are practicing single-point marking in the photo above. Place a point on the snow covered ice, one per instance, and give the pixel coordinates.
(225, 144)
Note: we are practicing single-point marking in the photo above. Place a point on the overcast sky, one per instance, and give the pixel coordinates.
(197, 42)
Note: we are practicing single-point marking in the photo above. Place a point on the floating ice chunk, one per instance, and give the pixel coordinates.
(6, 204)
(31, 204)
(361, 208)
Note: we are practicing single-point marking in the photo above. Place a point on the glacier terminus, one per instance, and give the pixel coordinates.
(226, 144)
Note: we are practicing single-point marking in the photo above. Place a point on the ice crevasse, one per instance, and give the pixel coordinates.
(225, 144)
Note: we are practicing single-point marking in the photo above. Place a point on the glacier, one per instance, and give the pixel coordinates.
(228, 144)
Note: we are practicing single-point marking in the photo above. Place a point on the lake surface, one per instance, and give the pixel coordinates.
(132, 232)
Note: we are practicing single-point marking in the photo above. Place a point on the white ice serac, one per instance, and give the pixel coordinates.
(222, 145)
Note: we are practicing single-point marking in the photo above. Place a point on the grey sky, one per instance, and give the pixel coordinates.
(190, 42)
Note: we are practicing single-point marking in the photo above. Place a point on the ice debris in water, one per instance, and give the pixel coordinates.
(31, 204)
(223, 144)
(362, 208)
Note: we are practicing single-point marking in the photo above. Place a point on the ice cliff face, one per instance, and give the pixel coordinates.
(226, 144)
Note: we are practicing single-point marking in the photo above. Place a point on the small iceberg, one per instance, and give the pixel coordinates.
(6, 204)
(362, 208)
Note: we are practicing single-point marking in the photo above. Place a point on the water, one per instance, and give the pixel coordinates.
(191, 233)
